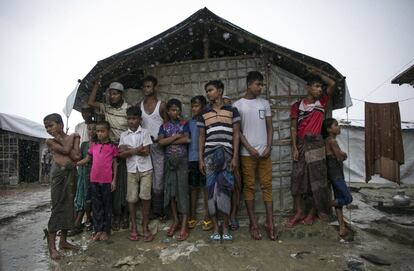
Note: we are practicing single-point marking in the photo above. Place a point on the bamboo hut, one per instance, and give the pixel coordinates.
(205, 47)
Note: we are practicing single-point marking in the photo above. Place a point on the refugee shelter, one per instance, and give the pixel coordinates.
(206, 47)
(21, 144)
(405, 77)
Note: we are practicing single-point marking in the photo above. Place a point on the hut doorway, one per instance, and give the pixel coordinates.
(28, 161)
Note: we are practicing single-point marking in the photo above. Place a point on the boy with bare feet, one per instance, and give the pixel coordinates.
(334, 162)
(65, 151)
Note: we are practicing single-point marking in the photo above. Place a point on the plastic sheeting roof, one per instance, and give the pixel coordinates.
(22, 126)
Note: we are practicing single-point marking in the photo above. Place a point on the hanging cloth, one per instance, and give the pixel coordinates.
(384, 152)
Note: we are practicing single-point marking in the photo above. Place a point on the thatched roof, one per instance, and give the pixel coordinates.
(406, 77)
(203, 34)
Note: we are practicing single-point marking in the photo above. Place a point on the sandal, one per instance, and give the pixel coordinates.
(173, 228)
(148, 237)
(255, 233)
(183, 235)
(270, 230)
(215, 237)
(133, 236)
(207, 225)
(309, 220)
(227, 237)
(191, 223)
(234, 224)
(292, 221)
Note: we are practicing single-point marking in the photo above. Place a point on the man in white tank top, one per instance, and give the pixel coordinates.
(154, 114)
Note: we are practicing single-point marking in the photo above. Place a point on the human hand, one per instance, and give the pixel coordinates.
(295, 154)
(266, 153)
(234, 163)
(253, 152)
(202, 167)
(113, 186)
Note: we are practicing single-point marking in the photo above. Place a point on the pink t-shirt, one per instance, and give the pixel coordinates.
(102, 156)
(309, 115)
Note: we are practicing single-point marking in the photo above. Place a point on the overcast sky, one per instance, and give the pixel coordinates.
(47, 45)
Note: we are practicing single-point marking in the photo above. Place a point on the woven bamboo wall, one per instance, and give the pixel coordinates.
(187, 79)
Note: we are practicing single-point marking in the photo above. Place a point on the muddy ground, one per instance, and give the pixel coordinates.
(387, 234)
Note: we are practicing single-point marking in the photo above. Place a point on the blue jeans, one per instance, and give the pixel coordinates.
(342, 194)
(101, 206)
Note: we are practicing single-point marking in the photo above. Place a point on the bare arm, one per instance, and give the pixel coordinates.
(201, 142)
(92, 97)
(165, 141)
(115, 171)
(340, 155)
(84, 161)
(293, 133)
(269, 133)
(125, 151)
(183, 140)
(163, 112)
(236, 145)
(63, 148)
(75, 154)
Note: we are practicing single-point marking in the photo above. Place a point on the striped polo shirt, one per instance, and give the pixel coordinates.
(219, 126)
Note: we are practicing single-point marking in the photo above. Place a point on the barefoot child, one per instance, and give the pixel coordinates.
(196, 180)
(219, 126)
(65, 151)
(134, 146)
(103, 176)
(174, 135)
(82, 197)
(334, 160)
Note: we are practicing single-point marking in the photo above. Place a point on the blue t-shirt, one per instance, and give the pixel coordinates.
(171, 128)
(193, 147)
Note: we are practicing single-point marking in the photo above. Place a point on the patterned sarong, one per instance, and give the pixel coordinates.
(220, 180)
(309, 174)
(62, 189)
(157, 198)
(82, 184)
(176, 183)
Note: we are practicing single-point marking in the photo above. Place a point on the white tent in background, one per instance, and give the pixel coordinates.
(354, 166)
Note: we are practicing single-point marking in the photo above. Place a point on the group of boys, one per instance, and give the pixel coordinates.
(140, 169)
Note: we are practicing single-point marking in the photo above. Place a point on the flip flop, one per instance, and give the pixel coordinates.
(207, 225)
(234, 224)
(183, 235)
(308, 221)
(292, 222)
(133, 236)
(191, 223)
(173, 228)
(215, 237)
(227, 237)
(148, 237)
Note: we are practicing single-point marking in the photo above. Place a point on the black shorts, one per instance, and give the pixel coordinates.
(195, 178)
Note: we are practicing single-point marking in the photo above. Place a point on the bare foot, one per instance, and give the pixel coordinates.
(309, 220)
(343, 231)
(66, 245)
(55, 255)
(97, 236)
(104, 236)
(293, 220)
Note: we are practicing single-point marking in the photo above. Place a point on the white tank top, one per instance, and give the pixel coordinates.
(153, 121)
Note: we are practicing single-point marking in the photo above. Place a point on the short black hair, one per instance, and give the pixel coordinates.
(199, 99)
(54, 117)
(314, 78)
(172, 102)
(134, 111)
(104, 123)
(327, 123)
(150, 78)
(254, 76)
(216, 83)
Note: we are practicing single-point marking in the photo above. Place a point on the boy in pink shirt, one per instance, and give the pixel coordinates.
(102, 180)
